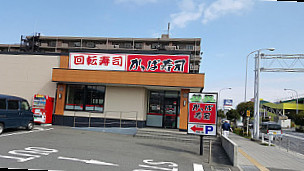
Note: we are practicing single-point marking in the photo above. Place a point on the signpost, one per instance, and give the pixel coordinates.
(248, 115)
(202, 115)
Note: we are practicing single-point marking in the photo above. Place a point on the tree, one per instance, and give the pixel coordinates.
(299, 118)
(220, 114)
(243, 107)
(233, 115)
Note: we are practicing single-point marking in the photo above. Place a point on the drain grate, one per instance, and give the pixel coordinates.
(220, 168)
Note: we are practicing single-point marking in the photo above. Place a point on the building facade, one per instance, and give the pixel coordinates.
(53, 44)
(149, 89)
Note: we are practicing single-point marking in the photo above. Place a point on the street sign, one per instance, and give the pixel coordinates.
(248, 113)
(202, 113)
(200, 129)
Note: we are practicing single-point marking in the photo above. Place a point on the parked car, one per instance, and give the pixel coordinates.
(271, 128)
(15, 112)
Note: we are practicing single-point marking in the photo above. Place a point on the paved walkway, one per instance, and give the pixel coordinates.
(254, 156)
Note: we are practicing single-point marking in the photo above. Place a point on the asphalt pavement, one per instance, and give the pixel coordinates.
(66, 148)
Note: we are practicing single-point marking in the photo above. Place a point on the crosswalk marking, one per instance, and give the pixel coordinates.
(198, 167)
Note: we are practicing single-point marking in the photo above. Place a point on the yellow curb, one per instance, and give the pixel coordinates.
(253, 161)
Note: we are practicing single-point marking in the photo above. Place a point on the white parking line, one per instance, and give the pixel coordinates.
(88, 161)
(288, 135)
(198, 167)
(26, 132)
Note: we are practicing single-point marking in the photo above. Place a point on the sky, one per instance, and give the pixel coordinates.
(229, 29)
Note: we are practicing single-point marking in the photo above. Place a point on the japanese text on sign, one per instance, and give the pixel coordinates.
(202, 113)
(129, 62)
(158, 63)
(97, 61)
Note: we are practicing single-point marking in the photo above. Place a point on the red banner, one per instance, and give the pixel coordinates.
(204, 113)
(158, 63)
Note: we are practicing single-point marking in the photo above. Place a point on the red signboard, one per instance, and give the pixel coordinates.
(158, 63)
(130, 62)
(202, 113)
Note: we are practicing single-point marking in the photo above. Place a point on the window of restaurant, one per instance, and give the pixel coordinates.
(85, 98)
(163, 109)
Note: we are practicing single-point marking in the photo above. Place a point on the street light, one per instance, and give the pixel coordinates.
(220, 92)
(256, 90)
(270, 49)
(297, 97)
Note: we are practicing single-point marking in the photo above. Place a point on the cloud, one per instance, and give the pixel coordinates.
(223, 7)
(137, 2)
(191, 10)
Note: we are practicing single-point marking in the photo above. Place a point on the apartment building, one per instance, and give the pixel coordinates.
(63, 44)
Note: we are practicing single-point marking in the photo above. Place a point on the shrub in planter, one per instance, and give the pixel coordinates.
(238, 131)
(300, 129)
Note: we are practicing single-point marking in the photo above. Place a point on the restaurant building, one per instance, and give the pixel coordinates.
(110, 87)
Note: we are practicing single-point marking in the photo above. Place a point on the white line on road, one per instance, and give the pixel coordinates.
(198, 167)
(26, 132)
(88, 161)
(288, 135)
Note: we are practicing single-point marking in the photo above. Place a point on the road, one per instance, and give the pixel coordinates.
(65, 148)
(293, 141)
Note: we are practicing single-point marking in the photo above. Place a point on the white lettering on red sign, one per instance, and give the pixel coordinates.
(97, 61)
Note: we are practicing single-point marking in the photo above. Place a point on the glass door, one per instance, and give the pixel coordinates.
(171, 109)
(155, 109)
(163, 109)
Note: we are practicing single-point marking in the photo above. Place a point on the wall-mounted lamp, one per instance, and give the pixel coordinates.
(59, 96)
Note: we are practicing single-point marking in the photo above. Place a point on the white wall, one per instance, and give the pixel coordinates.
(26, 75)
(129, 100)
(125, 101)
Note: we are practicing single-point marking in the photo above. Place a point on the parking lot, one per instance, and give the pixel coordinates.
(66, 148)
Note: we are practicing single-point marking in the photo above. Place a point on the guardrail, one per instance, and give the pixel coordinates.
(115, 119)
(296, 146)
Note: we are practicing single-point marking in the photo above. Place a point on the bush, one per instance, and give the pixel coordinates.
(293, 124)
(300, 129)
(238, 131)
(241, 132)
(299, 119)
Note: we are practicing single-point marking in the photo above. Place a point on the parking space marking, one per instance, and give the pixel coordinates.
(25, 132)
(198, 167)
(88, 161)
(29, 153)
(150, 164)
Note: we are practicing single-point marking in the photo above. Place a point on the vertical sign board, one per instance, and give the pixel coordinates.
(202, 113)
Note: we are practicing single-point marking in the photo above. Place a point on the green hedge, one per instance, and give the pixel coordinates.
(241, 132)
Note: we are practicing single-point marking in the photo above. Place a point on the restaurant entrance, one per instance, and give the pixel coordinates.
(163, 109)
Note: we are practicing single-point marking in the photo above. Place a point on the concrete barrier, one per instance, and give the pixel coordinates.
(231, 149)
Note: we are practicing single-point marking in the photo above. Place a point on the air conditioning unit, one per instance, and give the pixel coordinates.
(116, 46)
(177, 47)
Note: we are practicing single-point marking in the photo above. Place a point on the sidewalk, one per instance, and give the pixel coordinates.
(253, 156)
